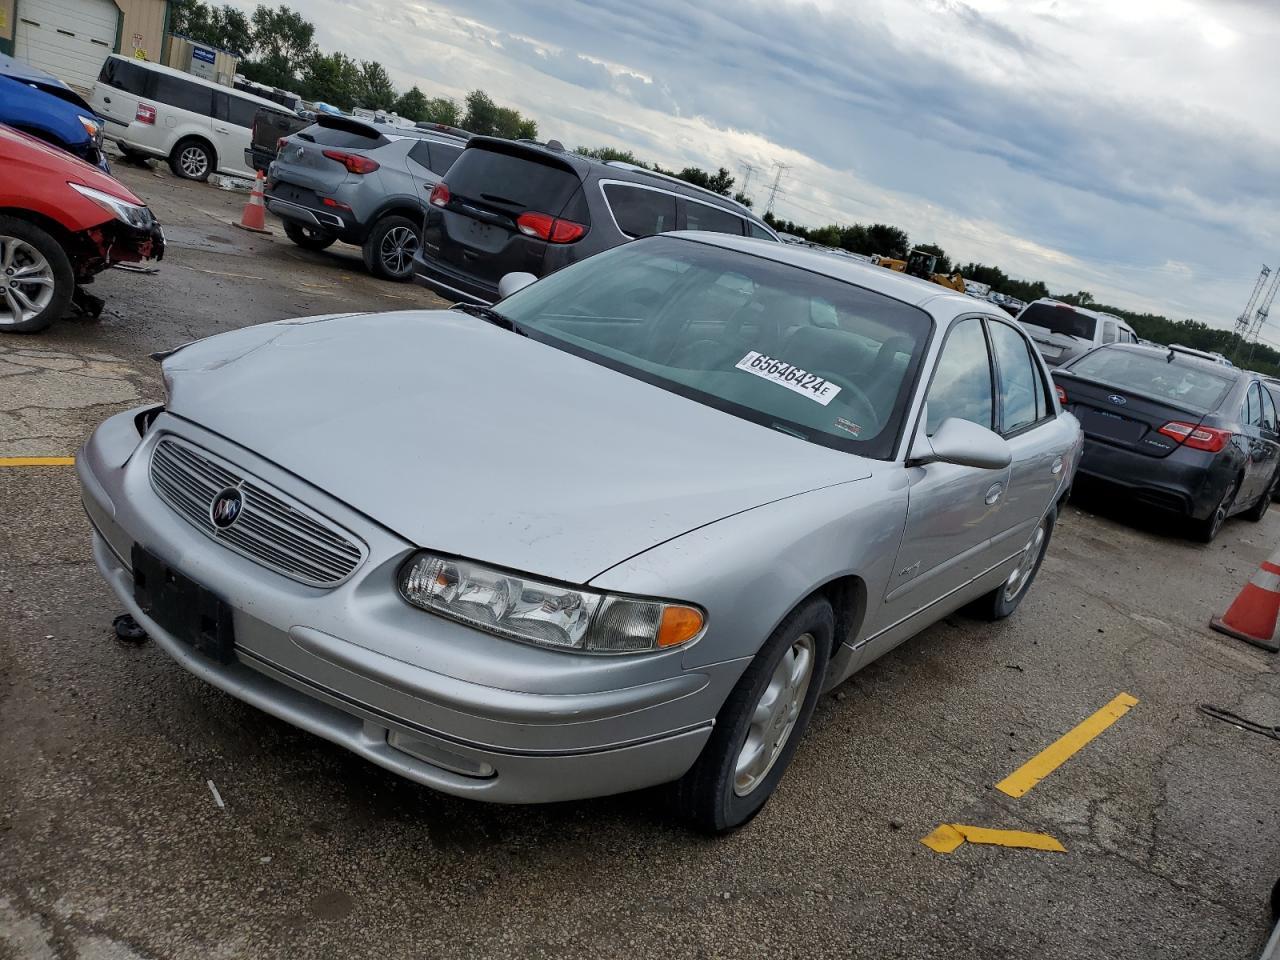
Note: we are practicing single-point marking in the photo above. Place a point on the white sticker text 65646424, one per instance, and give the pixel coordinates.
(788, 375)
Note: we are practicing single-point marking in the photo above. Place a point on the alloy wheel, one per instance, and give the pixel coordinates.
(1021, 575)
(398, 246)
(194, 162)
(26, 281)
(774, 716)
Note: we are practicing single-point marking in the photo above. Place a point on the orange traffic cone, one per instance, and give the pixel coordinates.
(1252, 617)
(255, 214)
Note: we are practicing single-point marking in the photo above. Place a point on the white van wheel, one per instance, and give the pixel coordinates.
(192, 160)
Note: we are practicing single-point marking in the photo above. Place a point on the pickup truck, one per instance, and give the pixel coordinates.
(269, 128)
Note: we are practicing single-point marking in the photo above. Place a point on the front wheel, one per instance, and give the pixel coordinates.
(1004, 599)
(389, 250)
(308, 238)
(36, 279)
(760, 724)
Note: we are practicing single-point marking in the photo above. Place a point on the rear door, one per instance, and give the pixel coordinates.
(1259, 423)
(492, 186)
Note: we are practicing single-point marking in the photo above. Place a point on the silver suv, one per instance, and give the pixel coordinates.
(361, 183)
(1063, 332)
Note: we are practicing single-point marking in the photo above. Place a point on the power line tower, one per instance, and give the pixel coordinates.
(1260, 317)
(773, 191)
(1246, 315)
(747, 170)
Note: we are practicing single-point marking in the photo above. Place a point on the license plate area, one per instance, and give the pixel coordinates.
(1112, 426)
(191, 613)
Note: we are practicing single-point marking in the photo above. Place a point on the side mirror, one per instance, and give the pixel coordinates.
(963, 443)
(512, 282)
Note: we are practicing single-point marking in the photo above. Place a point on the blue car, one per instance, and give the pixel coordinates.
(40, 104)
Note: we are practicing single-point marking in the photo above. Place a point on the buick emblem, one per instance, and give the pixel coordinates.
(298, 154)
(1117, 400)
(226, 508)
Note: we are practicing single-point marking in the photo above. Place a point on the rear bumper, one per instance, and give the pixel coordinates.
(450, 282)
(1187, 482)
(305, 206)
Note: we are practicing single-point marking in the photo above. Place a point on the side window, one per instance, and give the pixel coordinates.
(703, 216)
(962, 382)
(1108, 331)
(1253, 406)
(1042, 389)
(442, 157)
(124, 75)
(759, 232)
(1268, 411)
(420, 153)
(181, 94)
(641, 213)
(242, 111)
(1019, 381)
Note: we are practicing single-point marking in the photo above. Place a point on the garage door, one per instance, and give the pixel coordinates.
(69, 38)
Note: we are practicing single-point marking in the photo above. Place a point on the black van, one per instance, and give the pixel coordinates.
(509, 206)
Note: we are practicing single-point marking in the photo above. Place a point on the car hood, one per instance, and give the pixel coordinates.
(469, 439)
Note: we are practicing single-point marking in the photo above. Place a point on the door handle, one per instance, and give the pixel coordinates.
(106, 99)
(993, 494)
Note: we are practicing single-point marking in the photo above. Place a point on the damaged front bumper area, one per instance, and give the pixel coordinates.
(107, 244)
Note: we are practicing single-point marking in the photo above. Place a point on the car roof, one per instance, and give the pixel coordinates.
(891, 283)
(183, 75)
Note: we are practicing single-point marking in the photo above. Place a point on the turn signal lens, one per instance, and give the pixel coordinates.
(1062, 394)
(1195, 437)
(679, 625)
(440, 195)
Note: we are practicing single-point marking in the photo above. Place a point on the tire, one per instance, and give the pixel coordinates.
(714, 796)
(135, 157)
(1259, 509)
(1004, 599)
(389, 249)
(308, 238)
(36, 278)
(1207, 530)
(192, 159)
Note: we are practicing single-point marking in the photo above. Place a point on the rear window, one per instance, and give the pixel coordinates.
(703, 216)
(511, 182)
(1061, 320)
(1185, 383)
(124, 75)
(352, 137)
(639, 212)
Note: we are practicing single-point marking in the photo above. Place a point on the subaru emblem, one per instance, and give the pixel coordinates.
(1117, 400)
(226, 508)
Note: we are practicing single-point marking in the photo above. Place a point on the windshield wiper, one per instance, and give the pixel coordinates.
(491, 316)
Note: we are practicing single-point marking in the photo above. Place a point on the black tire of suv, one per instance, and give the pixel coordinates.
(64, 279)
(308, 238)
(705, 796)
(372, 249)
(192, 143)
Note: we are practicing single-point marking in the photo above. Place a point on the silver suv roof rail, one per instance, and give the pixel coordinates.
(636, 168)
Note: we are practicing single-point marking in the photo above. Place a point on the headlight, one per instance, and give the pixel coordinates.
(92, 128)
(134, 214)
(522, 608)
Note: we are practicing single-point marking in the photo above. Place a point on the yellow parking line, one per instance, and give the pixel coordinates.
(1064, 748)
(37, 461)
(949, 836)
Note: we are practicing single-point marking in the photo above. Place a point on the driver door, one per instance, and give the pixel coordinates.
(953, 511)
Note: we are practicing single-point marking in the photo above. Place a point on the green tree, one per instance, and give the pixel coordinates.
(283, 41)
(887, 240)
(943, 264)
(376, 89)
(226, 26)
(333, 78)
(443, 110)
(610, 153)
(743, 199)
(412, 104)
(482, 114)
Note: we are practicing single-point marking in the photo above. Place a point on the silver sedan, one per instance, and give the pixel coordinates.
(620, 530)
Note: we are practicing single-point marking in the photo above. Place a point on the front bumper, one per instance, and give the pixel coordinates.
(460, 711)
(1187, 482)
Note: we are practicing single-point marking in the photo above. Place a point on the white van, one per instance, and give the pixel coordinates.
(197, 125)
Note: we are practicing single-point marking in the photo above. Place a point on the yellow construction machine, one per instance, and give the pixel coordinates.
(920, 263)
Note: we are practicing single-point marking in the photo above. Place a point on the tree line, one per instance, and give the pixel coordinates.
(277, 47)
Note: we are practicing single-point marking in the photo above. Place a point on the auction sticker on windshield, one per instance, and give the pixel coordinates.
(790, 376)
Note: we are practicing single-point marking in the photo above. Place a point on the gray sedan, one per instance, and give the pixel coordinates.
(621, 530)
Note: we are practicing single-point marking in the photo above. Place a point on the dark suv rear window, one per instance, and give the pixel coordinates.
(351, 136)
(1061, 320)
(511, 182)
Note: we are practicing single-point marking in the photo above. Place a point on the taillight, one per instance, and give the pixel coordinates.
(1198, 438)
(280, 144)
(352, 161)
(440, 195)
(336, 204)
(546, 227)
(145, 114)
(1062, 394)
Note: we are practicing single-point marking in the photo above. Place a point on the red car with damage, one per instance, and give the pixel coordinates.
(62, 222)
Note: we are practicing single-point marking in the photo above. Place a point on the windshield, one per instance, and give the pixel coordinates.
(1063, 320)
(1186, 383)
(793, 350)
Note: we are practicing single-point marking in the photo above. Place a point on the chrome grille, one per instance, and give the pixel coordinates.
(269, 530)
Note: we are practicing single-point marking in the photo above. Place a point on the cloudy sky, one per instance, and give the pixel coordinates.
(1127, 148)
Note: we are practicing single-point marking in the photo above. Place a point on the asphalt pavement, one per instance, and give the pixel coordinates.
(115, 846)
